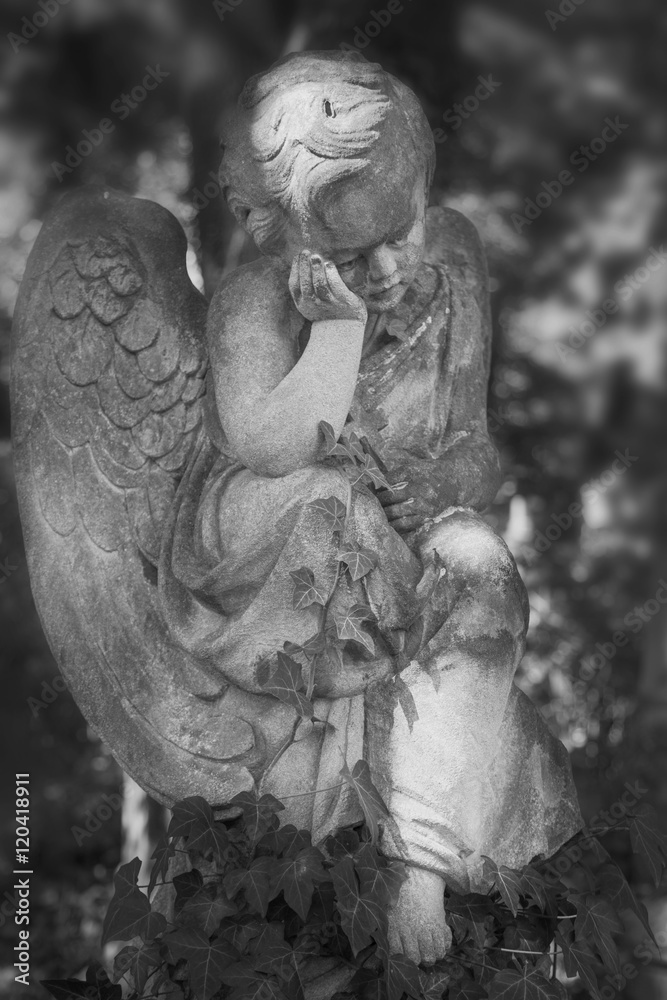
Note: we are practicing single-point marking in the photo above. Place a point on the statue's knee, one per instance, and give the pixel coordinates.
(476, 556)
(318, 481)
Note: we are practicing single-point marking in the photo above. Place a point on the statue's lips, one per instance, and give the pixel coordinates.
(390, 294)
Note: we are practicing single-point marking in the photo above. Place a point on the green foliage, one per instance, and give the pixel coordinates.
(372, 803)
(290, 674)
(355, 455)
(259, 898)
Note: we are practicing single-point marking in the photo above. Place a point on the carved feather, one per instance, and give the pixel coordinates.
(108, 386)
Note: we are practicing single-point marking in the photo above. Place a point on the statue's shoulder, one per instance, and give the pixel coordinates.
(452, 240)
(258, 287)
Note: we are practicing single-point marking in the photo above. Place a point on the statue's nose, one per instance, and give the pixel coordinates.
(381, 265)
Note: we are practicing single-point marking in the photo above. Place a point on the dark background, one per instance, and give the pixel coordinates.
(567, 392)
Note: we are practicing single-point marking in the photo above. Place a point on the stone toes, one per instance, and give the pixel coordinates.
(428, 949)
(442, 941)
(410, 947)
(395, 943)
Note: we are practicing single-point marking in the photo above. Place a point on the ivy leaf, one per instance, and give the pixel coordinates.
(286, 683)
(270, 948)
(247, 984)
(310, 648)
(371, 473)
(506, 881)
(358, 447)
(578, 957)
(596, 922)
(66, 989)
(511, 985)
(406, 701)
(467, 989)
(535, 886)
(335, 447)
(129, 914)
(161, 856)
(164, 987)
(349, 625)
(359, 560)
(305, 590)
(295, 877)
(193, 819)
(434, 985)
(207, 960)
(614, 885)
(186, 885)
(287, 841)
(258, 813)
(648, 841)
(345, 841)
(77, 989)
(97, 977)
(272, 954)
(401, 977)
(138, 962)
(527, 935)
(255, 882)
(358, 915)
(473, 907)
(206, 908)
(333, 511)
(240, 931)
(380, 880)
(370, 800)
(366, 983)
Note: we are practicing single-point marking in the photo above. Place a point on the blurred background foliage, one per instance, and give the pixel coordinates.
(568, 391)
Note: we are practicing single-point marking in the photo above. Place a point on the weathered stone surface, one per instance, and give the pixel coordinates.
(165, 527)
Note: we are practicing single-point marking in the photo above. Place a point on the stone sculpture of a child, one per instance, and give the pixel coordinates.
(164, 522)
(328, 165)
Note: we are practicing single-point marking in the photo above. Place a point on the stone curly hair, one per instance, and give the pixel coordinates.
(311, 120)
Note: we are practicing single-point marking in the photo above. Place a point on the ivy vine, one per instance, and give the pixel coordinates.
(258, 899)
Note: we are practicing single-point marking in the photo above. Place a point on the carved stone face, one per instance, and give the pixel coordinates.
(372, 226)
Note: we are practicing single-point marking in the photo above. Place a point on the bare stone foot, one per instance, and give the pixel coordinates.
(417, 925)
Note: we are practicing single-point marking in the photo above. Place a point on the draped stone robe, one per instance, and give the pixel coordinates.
(476, 772)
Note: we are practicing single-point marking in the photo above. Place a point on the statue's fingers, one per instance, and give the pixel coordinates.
(392, 497)
(319, 279)
(404, 525)
(305, 275)
(403, 508)
(338, 287)
(295, 279)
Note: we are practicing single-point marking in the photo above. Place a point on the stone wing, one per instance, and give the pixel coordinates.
(108, 386)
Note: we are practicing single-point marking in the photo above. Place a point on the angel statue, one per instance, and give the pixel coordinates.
(253, 526)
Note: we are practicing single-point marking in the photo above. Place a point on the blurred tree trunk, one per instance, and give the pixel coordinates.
(142, 822)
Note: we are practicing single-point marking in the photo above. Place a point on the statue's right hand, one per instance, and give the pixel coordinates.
(320, 293)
